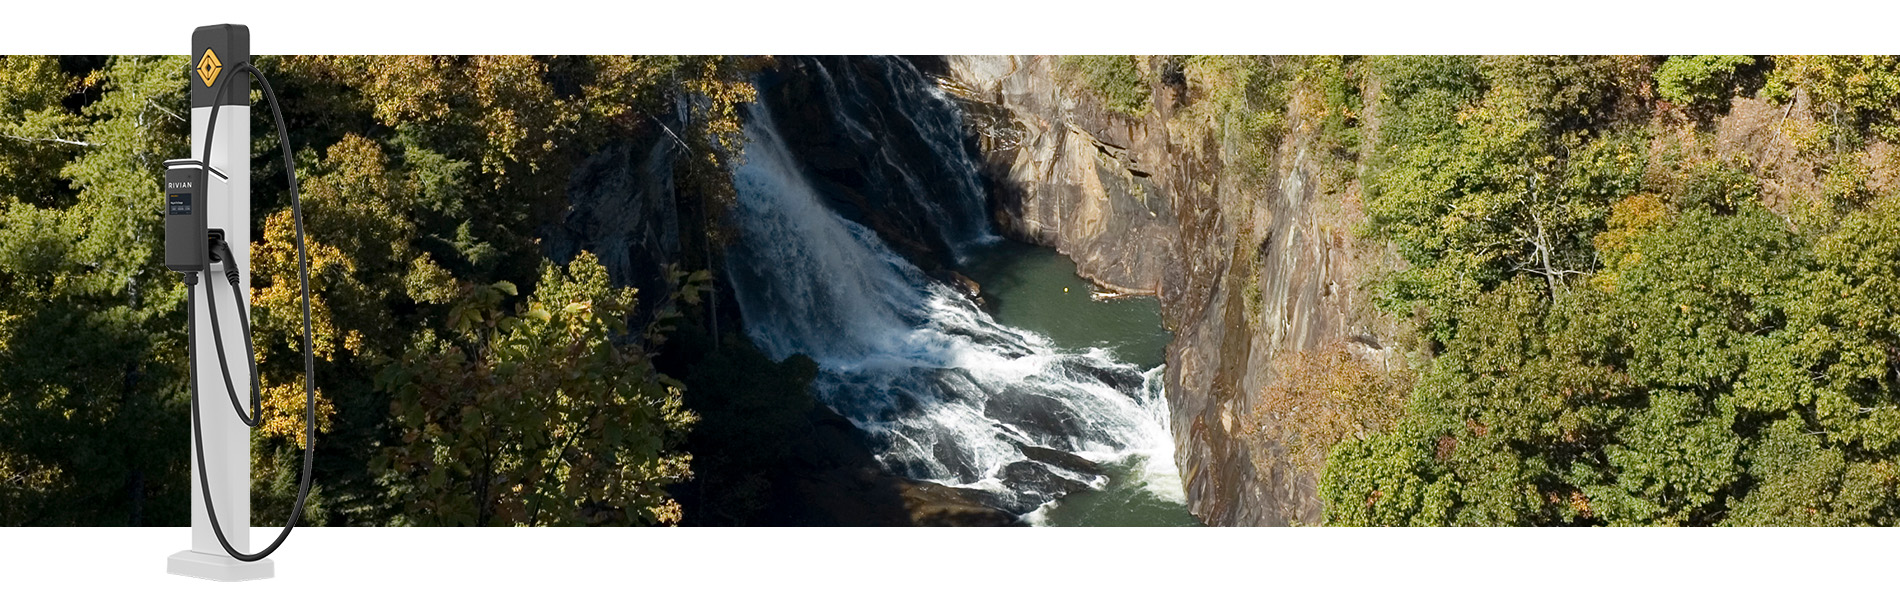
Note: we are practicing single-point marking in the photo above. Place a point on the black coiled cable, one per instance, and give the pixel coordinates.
(309, 361)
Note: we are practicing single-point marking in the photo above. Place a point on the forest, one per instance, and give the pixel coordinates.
(463, 379)
(1623, 314)
(1624, 326)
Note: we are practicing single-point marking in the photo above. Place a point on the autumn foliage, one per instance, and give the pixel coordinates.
(1321, 398)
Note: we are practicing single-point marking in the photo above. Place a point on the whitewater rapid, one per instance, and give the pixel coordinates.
(945, 392)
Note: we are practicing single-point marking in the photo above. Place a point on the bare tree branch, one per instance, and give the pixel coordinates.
(1541, 242)
(48, 140)
(149, 102)
(669, 133)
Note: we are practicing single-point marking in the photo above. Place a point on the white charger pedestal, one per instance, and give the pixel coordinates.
(218, 567)
(227, 441)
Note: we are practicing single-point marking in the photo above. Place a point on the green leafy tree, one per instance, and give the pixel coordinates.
(1731, 372)
(38, 134)
(1244, 100)
(543, 416)
(1116, 79)
(1700, 82)
(1503, 428)
(427, 176)
(1853, 94)
(92, 405)
(1489, 169)
(1698, 359)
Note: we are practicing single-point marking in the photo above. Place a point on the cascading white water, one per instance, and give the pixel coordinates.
(946, 393)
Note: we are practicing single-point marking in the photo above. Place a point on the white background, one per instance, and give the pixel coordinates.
(959, 27)
(1189, 564)
(974, 564)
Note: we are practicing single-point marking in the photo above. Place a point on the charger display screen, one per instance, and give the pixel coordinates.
(178, 203)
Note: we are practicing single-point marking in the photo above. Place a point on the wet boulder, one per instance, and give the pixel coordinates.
(954, 457)
(1035, 483)
(1037, 414)
(1123, 379)
(936, 505)
(1062, 460)
(962, 284)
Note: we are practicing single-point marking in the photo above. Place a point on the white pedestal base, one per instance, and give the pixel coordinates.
(218, 567)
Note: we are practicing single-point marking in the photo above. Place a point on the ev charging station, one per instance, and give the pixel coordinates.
(208, 232)
(224, 204)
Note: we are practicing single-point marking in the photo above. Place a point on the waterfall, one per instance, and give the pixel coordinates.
(956, 198)
(945, 393)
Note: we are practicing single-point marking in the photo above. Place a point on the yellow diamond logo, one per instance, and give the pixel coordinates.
(208, 67)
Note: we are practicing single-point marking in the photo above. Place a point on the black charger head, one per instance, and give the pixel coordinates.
(186, 247)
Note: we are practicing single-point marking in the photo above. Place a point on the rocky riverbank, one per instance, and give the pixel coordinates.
(1246, 272)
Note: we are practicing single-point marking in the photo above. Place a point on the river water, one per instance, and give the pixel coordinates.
(1036, 288)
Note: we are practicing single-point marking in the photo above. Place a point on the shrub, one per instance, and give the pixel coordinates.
(1116, 79)
(1856, 93)
(1324, 397)
(1702, 82)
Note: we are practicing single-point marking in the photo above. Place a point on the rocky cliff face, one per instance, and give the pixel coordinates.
(1246, 271)
(625, 211)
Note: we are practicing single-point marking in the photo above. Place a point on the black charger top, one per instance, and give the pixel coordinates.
(214, 49)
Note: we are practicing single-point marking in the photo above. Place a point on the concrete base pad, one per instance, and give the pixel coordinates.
(218, 567)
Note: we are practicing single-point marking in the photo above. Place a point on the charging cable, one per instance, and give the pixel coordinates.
(222, 252)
